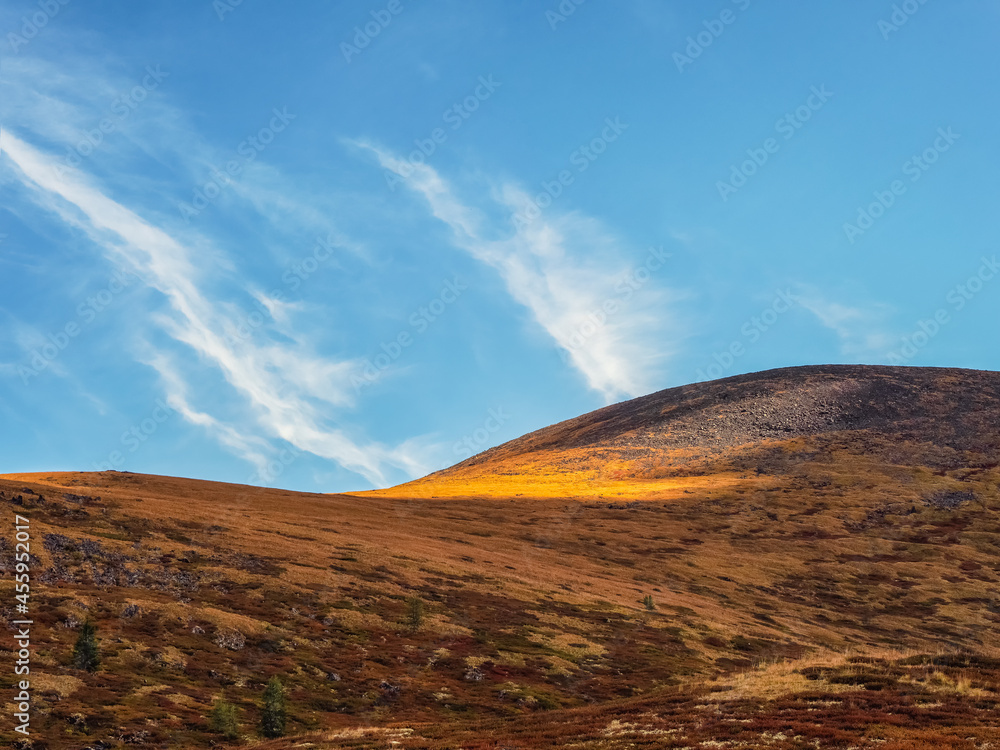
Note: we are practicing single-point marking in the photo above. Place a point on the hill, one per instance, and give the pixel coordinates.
(700, 434)
(798, 558)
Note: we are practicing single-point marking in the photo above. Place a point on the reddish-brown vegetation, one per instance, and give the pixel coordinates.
(819, 549)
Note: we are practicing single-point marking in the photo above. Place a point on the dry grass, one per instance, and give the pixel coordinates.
(778, 598)
(548, 480)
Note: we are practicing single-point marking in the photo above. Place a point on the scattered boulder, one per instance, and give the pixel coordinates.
(230, 638)
(948, 499)
(388, 689)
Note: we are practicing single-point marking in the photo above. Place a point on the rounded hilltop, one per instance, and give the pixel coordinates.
(710, 432)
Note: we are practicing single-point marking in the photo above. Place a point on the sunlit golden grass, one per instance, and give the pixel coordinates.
(775, 678)
(568, 485)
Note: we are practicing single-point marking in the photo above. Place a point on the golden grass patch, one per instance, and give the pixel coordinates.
(63, 684)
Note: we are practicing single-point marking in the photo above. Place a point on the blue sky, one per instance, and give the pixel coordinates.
(334, 246)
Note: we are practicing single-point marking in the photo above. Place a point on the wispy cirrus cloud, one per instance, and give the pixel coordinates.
(565, 268)
(289, 391)
(860, 330)
(261, 372)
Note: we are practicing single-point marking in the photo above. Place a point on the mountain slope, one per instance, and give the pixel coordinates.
(697, 435)
(786, 559)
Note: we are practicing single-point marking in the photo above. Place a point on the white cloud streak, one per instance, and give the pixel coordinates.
(859, 330)
(562, 267)
(283, 383)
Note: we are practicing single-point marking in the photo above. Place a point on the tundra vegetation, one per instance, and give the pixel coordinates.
(820, 547)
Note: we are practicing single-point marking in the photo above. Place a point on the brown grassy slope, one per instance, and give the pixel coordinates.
(863, 539)
(888, 701)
